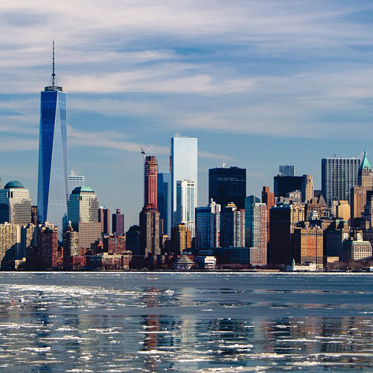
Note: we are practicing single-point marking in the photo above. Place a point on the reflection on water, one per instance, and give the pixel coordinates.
(185, 322)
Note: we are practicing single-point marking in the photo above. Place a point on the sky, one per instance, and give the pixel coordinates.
(259, 83)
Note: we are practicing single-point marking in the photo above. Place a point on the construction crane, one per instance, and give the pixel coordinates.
(143, 152)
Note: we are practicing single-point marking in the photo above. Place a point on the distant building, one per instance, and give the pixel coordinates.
(83, 214)
(356, 249)
(180, 239)
(184, 166)
(365, 173)
(228, 185)
(118, 223)
(283, 218)
(338, 176)
(286, 170)
(104, 219)
(15, 204)
(308, 245)
(307, 188)
(269, 199)
(283, 185)
(185, 207)
(75, 181)
(256, 230)
(208, 226)
(164, 200)
(133, 239)
(10, 240)
(149, 216)
(52, 173)
(232, 226)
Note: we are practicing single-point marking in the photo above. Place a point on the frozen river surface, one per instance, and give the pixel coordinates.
(186, 322)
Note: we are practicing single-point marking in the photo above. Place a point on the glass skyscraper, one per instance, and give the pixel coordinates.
(52, 176)
(184, 166)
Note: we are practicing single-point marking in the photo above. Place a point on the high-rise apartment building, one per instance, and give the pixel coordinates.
(118, 223)
(75, 181)
(185, 208)
(286, 170)
(256, 230)
(338, 176)
(228, 185)
(52, 176)
(164, 200)
(83, 215)
(208, 226)
(15, 204)
(149, 216)
(184, 166)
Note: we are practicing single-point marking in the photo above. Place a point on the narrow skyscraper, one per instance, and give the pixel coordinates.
(184, 166)
(52, 176)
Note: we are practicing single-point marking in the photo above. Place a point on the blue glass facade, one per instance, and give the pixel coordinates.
(52, 176)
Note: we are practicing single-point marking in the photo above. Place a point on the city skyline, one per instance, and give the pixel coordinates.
(253, 82)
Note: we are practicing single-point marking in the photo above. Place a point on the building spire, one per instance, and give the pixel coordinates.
(365, 163)
(53, 74)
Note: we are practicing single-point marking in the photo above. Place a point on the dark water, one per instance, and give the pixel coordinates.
(186, 322)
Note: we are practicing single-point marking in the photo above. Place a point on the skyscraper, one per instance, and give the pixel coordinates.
(104, 219)
(208, 226)
(52, 176)
(164, 200)
(83, 214)
(75, 181)
(228, 185)
(256, 230)
(118, 223)
(184, 166)
(185, 208)
(232, 226)
(338, 176)
(15, 204)
(286, 170)
(149, 216)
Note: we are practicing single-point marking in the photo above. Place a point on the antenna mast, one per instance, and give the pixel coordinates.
(53, 74)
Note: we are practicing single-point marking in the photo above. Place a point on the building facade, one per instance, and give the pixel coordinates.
(52, 174)
(118, 223)
(256, 230)
(232, 226)
(184, 166)
(338, 176)
(185, 207)
(15, 204)
(164, 200)
(228, 185)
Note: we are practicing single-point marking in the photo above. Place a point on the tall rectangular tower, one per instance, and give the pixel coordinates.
(338, 176)
(184, 166)
(228, 185)
(52, 175)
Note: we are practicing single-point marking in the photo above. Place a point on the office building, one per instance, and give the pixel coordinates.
(10, 240)
(365, 173)
(15, 204)
(185, 208)
(308, 246)
(184, 166)
(307, 188)
(256, 230)
(338, 176)
(208, 226)
(83, 215)
(104, 219)
(283, 219)
(232, 226)
(286, 170)
(149, 216)
(75, 181)
(52, 175)
(228, 185)
(164, 200)
(269, 199)
(283, 185)
(180, 239)
(118, 223)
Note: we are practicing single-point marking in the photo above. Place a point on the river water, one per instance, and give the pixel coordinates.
(186, 322)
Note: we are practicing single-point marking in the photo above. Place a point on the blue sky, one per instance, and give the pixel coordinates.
(260, 83)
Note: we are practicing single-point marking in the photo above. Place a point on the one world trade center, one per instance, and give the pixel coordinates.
(52, 176)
